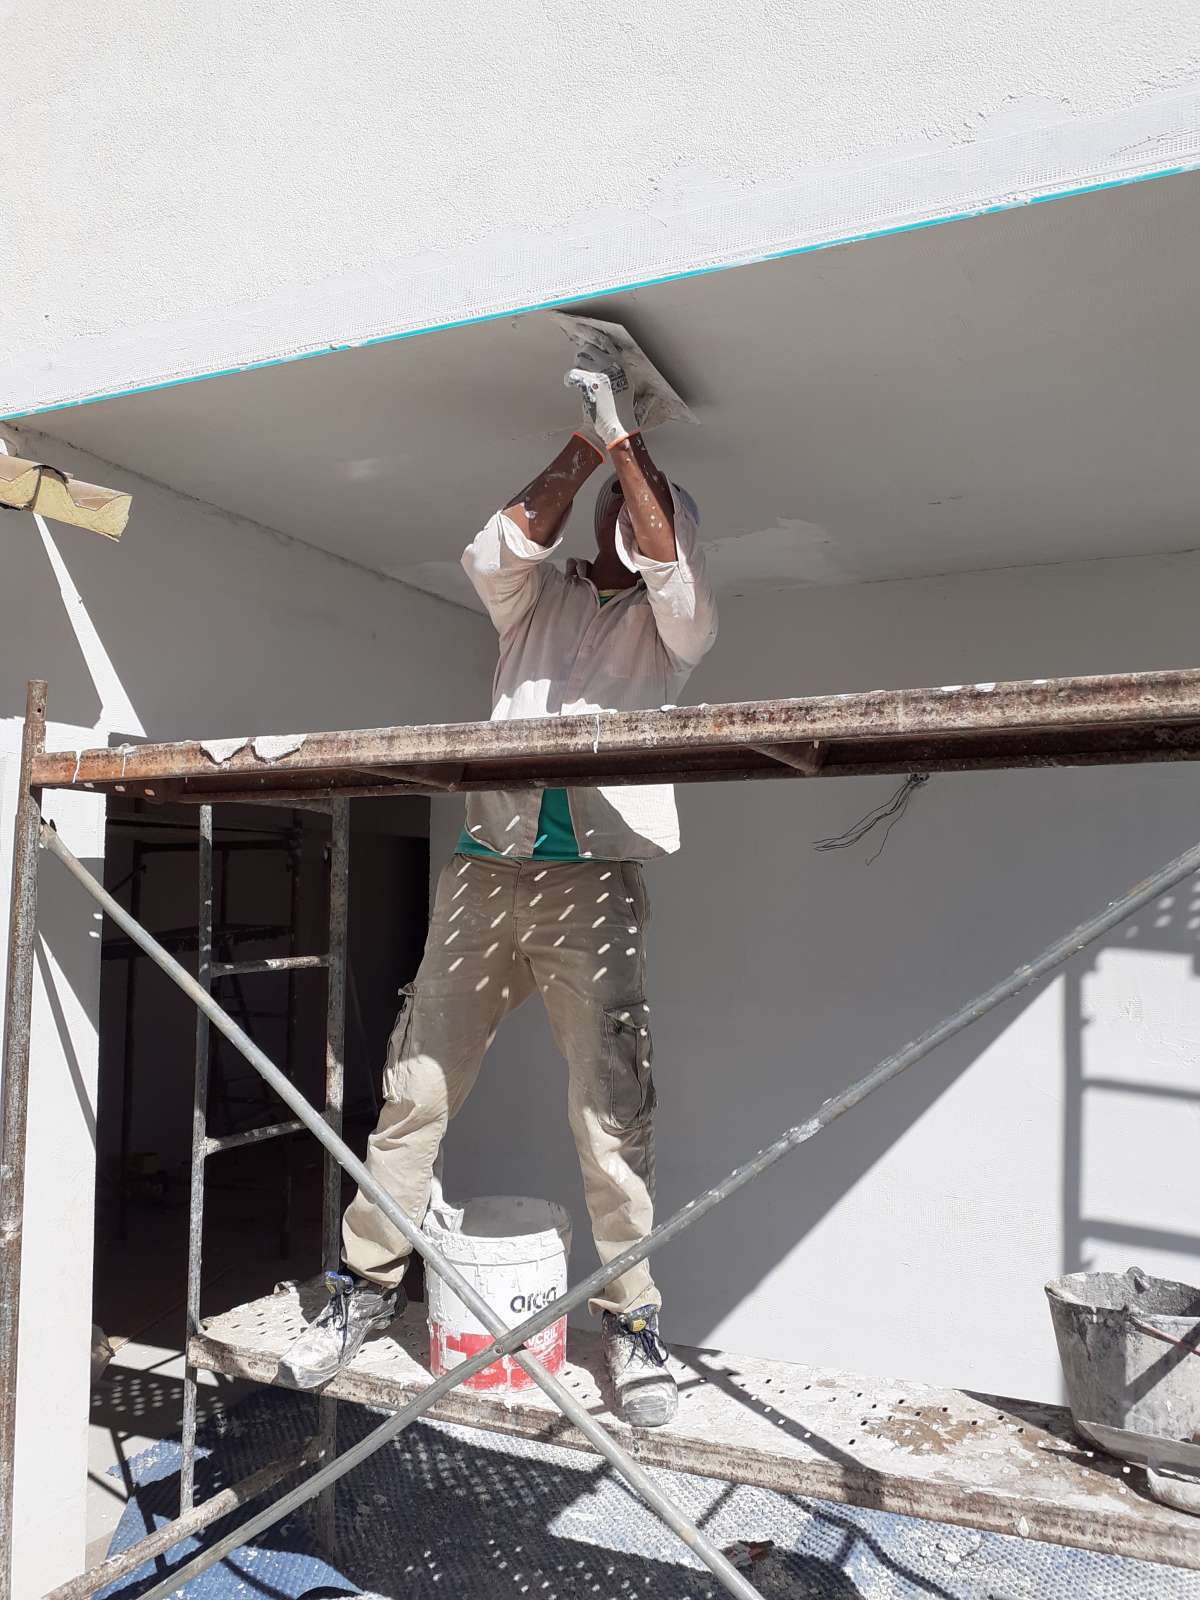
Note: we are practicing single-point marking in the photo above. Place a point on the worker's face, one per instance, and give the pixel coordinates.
(608, 508)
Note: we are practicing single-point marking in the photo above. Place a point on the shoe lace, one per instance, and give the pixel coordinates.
(336, 1313)
(643, 1335)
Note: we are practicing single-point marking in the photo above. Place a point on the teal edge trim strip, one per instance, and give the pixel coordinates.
(597, 294)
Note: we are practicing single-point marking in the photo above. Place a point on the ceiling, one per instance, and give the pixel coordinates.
(1012, 389)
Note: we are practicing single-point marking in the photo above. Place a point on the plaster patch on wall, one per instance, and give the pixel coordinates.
(220, 750)
(792, 552)
(369, 467)
(271, 746)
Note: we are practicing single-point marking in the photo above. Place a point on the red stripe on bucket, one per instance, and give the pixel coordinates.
(448, 1350)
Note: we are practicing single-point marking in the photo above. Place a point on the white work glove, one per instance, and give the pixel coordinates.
(606, 394)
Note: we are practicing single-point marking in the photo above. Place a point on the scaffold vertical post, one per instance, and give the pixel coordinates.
(137, 869)
(295, 866)
(187, 1467)
(335, 1047)
(14, 1106)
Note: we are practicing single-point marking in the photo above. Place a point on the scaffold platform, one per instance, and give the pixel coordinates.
(1004, 1466)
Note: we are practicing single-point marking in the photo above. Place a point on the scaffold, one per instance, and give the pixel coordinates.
(1141, 717)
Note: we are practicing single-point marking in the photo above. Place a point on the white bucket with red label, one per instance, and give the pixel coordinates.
(514, 1250)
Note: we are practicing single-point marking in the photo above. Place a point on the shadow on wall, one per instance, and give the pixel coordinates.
(990, 871)
(66, 978)
(778, 976)
(1132, 1093)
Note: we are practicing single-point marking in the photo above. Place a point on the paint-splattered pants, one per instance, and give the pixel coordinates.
(575, 931)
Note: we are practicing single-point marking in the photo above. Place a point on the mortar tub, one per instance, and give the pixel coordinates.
(1129, 1344)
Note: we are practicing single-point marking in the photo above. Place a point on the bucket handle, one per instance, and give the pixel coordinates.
(1187, 1345)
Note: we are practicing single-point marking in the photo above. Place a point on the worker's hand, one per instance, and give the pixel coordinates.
(606, 395)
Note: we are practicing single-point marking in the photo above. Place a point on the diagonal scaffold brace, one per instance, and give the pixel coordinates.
(510, 1341)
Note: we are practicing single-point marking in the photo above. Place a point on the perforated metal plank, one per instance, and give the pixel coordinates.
(1006, 1466)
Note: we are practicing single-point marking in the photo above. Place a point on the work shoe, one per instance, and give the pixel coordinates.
(637, 1365)
(335, 1335)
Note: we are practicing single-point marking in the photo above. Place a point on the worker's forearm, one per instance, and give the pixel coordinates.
(539, 509)
(647, 498)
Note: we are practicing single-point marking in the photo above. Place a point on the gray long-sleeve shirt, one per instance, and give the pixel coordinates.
(562, 653)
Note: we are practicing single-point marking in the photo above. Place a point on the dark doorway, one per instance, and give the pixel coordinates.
(262, 1203)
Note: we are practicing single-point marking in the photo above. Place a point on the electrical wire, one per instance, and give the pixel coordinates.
(890, 812)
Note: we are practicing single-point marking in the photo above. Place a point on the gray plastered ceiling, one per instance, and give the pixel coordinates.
(1011, 389)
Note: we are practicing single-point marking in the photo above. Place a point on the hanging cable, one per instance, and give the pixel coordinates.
(890, 812)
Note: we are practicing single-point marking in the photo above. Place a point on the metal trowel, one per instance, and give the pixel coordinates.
(654, 400)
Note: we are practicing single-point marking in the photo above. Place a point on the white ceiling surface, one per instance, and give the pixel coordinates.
(1015, 389)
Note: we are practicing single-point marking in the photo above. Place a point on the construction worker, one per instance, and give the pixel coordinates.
(546, 887)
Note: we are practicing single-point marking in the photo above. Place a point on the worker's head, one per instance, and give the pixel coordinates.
(609, 503)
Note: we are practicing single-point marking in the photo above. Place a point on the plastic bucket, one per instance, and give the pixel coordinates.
(1130, 1350)
(514, 1250)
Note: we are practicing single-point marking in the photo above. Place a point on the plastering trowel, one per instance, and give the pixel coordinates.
(654, 400)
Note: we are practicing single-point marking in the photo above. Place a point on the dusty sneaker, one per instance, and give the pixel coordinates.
(637, 1365)
(335, 1335)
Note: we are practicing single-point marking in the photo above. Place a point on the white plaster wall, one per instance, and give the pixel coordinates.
(196, 624)
(258, 181)
(913, 1237)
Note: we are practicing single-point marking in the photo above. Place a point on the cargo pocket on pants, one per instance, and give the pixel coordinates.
(629, 1096)
(395, 1071)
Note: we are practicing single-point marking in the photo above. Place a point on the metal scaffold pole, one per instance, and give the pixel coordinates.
(204, 951)
(18, 1007)
(335, 1048)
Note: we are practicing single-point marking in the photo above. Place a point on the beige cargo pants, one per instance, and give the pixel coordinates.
(499, 929)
